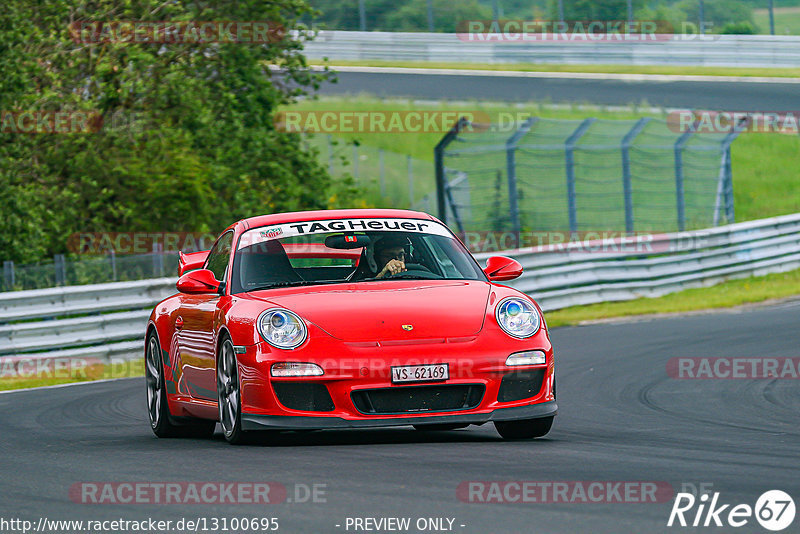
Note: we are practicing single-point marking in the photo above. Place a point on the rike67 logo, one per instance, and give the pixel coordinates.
(774, 510)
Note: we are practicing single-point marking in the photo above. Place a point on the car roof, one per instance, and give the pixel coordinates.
(298, 216)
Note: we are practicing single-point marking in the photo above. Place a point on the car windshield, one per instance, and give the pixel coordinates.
(349, 251)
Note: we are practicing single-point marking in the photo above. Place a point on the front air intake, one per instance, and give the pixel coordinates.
(303, 396)
(418, 399)
(520, 385)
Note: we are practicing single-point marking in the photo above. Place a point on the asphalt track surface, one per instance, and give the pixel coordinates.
(621, 419)
(729, 96)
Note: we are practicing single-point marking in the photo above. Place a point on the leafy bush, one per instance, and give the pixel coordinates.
(199, 149)
(738, 28)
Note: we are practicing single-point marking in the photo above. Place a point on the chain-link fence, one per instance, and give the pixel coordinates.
(387, 179)
(755, 16)
(585, 175)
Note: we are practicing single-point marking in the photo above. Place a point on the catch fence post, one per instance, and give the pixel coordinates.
(330, 154)
(8, 274)
(355, 161)
(158, 260)
(410, 165)
(112, 258)
(511, 172)
(382, 172)
(680, 202)
(727, 169)
(569, 156)
(627, 187)
(60, 269)
(438, 158)
(362, 16)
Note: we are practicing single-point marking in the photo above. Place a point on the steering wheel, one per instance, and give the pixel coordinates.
(415, 269)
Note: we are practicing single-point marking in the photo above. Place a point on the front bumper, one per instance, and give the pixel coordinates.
(353, 370)
(284, 422)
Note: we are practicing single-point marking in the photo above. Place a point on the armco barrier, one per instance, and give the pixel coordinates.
(108, 320)
(573, 276)
(709, 50)
(102, 321)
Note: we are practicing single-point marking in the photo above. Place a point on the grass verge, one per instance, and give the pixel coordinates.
(787, 20)
(676, 70)
(52, 376)
(725, 295)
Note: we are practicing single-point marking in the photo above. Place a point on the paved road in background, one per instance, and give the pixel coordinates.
(738, 96)
(621, 418)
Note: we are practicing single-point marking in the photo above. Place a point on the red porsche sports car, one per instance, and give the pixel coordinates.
(346, 319)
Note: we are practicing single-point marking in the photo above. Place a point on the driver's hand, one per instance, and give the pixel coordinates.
(392, 267)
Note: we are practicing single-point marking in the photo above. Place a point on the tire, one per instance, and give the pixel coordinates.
(524, 428)
(437, 427)
(229, 398)
(162, 423)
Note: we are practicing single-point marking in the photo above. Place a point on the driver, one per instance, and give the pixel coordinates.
(390, 255)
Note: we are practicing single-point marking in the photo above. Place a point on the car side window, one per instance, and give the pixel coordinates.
(219, 256)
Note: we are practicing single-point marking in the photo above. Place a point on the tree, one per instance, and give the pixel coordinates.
(196, 147)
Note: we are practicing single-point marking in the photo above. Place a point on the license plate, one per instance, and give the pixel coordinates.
(420, 373)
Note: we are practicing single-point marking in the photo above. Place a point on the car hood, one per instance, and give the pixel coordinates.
(383, 311)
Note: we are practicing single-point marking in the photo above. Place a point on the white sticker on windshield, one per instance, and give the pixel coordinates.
(294, 229)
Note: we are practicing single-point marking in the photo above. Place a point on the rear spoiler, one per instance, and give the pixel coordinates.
(191, 261)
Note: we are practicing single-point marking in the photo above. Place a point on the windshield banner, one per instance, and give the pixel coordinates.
(303, 228)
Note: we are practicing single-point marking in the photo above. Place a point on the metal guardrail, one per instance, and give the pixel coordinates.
(89, 299)
(708, 50)
(101, 321)
(573, 276)
(108, 320)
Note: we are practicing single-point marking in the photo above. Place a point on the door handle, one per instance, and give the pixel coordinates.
(179, 323)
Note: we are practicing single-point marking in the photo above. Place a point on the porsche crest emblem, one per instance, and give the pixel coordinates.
(408, 327)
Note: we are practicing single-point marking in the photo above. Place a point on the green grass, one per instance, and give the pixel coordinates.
(127, 369)
(788, 20)
(766, 178)
(724, 295)
(420, 145)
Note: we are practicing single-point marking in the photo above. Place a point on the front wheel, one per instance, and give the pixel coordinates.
(525, 428)
(228, 393)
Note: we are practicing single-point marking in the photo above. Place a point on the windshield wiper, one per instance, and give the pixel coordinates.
(293, 283)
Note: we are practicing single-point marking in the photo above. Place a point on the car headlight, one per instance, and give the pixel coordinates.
(282, 328)
(518, 317)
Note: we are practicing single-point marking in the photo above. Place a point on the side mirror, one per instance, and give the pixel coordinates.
(500, 268)
(196, 282)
